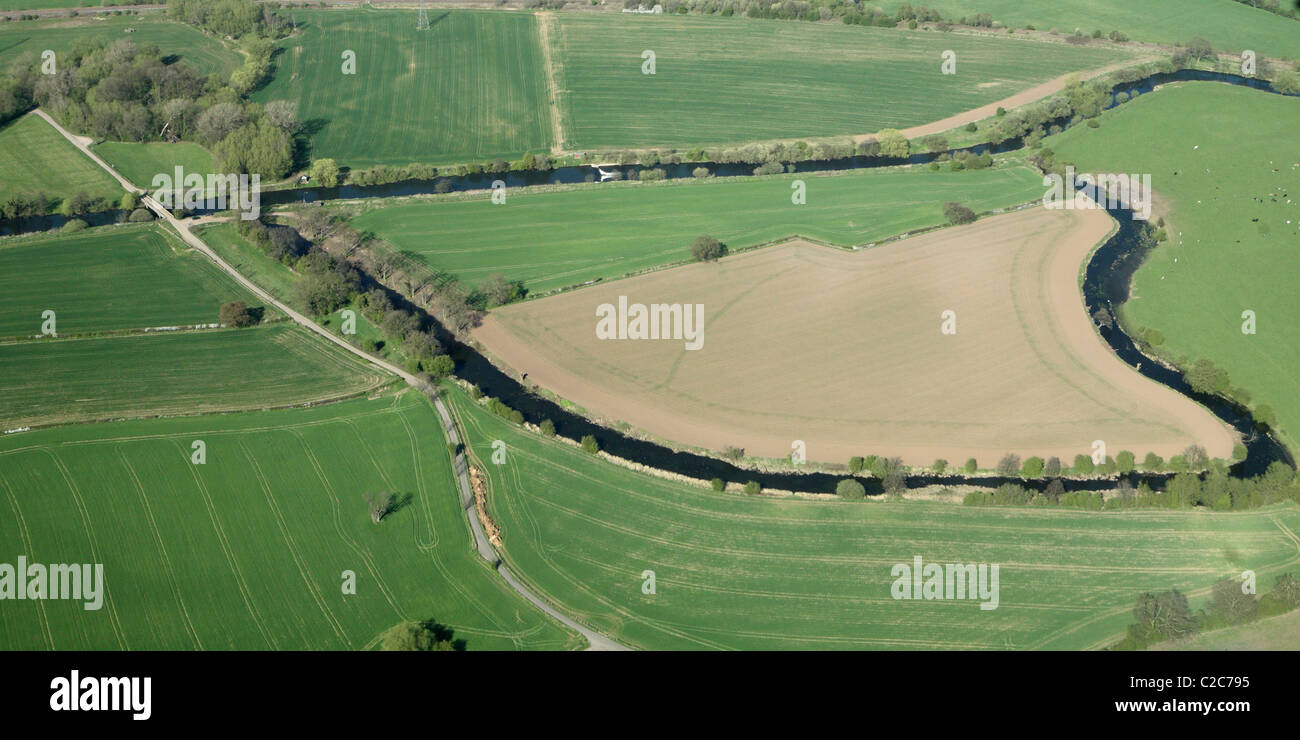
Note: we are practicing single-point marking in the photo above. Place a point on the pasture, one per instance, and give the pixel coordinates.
(848, 351)
(735, 572)
(37, 159)
(727, 80)
(472, 87)
(1226, 177)
(139, 162)
(1228, 25)
(566, 237)
(29, 38)
(248, 550)
(55, 381)
(113, 278)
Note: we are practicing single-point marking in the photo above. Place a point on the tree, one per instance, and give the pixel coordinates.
(939, 466)
(283, 114)
(1199, 48)
(324, 172)
(1052, 467)
(590, 444)
(971, 466)
(1124, 462)
(548, 427)
(380, 505)
(850, 490)
(417, 636)
(706, 249)
(1196, 456)
(236, 313)
(1009, 464)
(856, 464)
(217, 122)
(718, 484)
(1206, 377)
(957, 213)
(1032, 468)
(1083, 465)
(498, 291)
(441, 366)
(1161, 616)
(1230, 605)
(893, 144)
(1153, 463)
(753, 488)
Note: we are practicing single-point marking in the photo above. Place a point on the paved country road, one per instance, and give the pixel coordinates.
(485, 550)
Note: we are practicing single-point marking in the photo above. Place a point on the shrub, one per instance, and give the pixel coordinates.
(548, 427)
(700, 172)
(1153, 463)
(939, 465)
(753, 487)
(140, 215)
(971, 466)
(718, 484)
(856, 464)
(850, 490)
(590, 444)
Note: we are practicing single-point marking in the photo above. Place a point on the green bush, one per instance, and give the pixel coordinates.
(590, 444)
(718, 484)
(850, 490)
(753, 487)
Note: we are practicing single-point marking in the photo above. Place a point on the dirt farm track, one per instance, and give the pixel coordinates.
(844, 350)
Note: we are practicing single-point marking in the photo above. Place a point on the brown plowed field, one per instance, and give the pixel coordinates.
(843, 350)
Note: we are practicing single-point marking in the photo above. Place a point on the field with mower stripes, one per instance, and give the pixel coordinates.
(735, 572)
(204, 53)
(727, 80)
(35, 158)
(470, 88)
(247, 550)
(566, 237)
(1229, 25)
(124, 277)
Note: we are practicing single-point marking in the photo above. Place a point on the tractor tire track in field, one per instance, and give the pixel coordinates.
(241, 583)
(162, 549)
(90, 538)
(283, 526)
(26, 536)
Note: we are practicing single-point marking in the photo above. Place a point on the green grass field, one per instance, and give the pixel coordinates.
(735, 572)
(470, 88)
(556, 239)
(203, 53)
(37, 159)
(140, 162)
(1227, 24)
(248, 550)
(721, 80)
(114, 278)
(67, 380)
(1223, 160)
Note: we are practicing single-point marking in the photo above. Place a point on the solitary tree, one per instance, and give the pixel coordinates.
(380, 505)
(236, 313)
(1009, 464)
(706, 249)
(957, 213)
